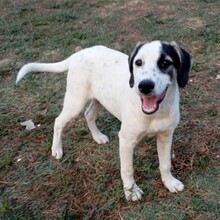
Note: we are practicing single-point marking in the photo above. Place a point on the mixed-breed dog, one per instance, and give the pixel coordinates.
(141, 90)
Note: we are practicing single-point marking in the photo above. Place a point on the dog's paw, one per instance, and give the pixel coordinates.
(134, 193)
(57, 153)
(101, 138)
(173, 185)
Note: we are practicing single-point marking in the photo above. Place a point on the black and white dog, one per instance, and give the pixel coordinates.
(142, 91)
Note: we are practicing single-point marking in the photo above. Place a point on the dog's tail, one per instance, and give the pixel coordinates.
(43, 67)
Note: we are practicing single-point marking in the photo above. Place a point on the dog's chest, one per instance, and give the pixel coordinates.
(154, 125)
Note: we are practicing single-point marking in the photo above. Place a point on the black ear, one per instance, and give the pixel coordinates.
(131, 59)
(185, 65)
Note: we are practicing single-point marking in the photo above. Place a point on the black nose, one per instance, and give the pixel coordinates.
(146, 86)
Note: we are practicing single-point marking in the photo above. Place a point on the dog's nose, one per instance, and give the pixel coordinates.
(146, 86)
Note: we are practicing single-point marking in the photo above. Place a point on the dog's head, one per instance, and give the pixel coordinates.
(154, 67)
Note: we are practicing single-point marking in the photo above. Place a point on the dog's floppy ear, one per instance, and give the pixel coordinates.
(185, 65)
(131, 59)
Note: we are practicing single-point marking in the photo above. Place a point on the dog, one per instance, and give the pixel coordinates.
(141, 90)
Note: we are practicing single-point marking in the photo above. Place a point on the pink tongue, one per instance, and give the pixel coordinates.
(149, 103)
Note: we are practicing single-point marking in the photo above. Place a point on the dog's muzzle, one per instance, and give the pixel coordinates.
(150, 103)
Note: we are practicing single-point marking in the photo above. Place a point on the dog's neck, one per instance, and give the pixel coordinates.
(171, 99)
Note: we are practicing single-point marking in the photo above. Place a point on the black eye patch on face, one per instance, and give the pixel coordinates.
(168, 50)
(164, 62)
(182, 61)
(168, 58)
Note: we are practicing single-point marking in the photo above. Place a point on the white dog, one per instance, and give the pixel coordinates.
(142, 91)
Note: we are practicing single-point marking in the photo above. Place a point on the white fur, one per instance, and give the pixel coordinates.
(102, 75)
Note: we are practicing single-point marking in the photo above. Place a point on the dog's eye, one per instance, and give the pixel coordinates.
(138, 62)
(165, 64)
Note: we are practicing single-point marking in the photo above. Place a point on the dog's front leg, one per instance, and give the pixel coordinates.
(164, 142)
(126, 145)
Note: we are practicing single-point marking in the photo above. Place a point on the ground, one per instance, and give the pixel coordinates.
(86, 183)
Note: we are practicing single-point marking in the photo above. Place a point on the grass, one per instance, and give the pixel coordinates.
(86, 183)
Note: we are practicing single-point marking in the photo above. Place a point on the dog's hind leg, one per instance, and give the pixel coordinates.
(91, 114)
(71, 108)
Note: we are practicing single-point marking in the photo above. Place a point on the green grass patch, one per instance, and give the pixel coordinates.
(86, 183)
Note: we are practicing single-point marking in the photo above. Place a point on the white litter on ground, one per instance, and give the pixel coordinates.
(218, 76)
(29, 124)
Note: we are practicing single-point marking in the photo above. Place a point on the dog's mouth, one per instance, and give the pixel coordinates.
(150, 104)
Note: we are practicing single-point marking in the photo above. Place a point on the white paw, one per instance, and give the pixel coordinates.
(101, 138)
(173, 185)
(134, 193)
(57, 153)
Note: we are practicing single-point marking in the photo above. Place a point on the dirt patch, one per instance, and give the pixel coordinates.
(4, 62)
(195, 22)
(53, 55)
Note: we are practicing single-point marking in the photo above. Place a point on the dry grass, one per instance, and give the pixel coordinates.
(86, 183)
